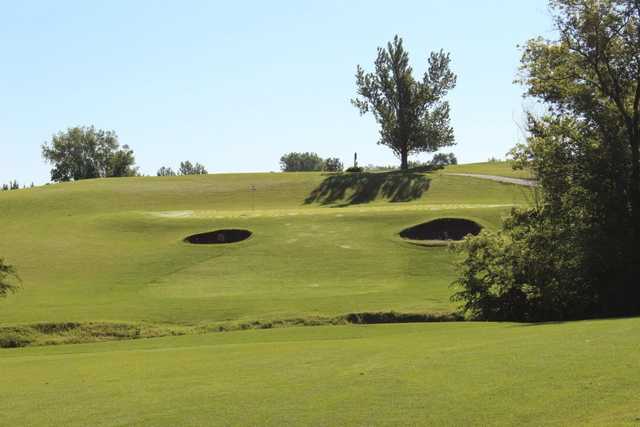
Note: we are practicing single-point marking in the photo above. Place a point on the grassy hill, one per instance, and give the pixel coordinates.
(502, 168)
(112, 250)
(105, 260)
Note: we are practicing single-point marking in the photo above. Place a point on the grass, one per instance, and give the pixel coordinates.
(104, 260)
(581, 373)
(503, 168)
(112, 250)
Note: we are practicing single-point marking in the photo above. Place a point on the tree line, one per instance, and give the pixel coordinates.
(574, 254)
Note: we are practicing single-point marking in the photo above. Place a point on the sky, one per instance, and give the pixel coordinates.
(234, 85)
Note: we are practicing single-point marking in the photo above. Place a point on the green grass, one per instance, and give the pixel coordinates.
(504, 168)
(104, 260)
(112, 250)
(581, 373)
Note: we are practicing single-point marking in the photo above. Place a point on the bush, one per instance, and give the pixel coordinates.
(14, 340)
(332, 164)
(354, 169)
(187, 168)
(165, 171)
(528, 271)
(301, 162)
(8, 278)
(442, 159)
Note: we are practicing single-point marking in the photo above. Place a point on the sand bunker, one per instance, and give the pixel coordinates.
(218, 237)
(442, 229)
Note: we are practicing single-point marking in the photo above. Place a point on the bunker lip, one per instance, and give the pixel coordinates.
(218, 237)
(442, 229)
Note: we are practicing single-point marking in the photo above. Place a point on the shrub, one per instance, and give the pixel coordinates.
(301, 162)
(187, 168)
(332, 164)
(165, 171)
(442, 159)
(14, 340)
(354, 169)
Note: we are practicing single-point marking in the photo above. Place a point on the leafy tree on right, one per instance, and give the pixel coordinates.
(575, 254)
(8, 277)
(413, 114)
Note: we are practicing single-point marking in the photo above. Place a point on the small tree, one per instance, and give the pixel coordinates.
(412, 114)
(187, 168)
(121, 162)
(87, 152)
(442, 159)
(8, 277)
(301, 162)
(333, 164)
(165, 171)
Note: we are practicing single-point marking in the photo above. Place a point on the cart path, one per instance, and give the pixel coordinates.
(516, 181)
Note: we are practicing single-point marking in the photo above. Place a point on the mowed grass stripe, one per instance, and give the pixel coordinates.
(581, 373)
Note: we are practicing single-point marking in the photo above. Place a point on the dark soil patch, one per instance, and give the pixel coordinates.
(218, 237)
(442, 229)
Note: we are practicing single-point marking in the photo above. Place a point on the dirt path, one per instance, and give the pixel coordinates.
(516, 181)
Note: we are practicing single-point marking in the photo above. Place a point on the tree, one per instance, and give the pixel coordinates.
(8, 277)
(301, 162)
(332, 164)
(412, 114)
(574, 254)
(165, 171)
(121, 162)
(187, 168)
(86, 152)
(442, 159)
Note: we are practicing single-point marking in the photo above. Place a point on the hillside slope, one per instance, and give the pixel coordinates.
(112, 250)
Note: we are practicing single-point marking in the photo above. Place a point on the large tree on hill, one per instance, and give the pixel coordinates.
(575, 254)
(86, 152)
(413, 114)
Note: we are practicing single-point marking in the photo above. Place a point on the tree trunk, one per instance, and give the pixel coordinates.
(404, 159)
(635, 212)
(635, 177)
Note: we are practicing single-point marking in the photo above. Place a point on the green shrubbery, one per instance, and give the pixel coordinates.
(309, 162)
(8, 278)
(575, 253)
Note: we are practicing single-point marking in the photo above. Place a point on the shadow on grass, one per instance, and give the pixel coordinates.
(358, 188)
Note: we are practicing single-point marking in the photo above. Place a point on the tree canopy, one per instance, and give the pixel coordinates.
(8, 278)
(575, 253)
(86, 152)
(301, 162)
(413, 114)
(188, 168)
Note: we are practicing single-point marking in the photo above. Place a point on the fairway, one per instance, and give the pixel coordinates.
(105, 260)
(581, 373)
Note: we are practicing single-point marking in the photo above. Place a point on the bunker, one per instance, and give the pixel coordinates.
(442, 229)
(218, 237)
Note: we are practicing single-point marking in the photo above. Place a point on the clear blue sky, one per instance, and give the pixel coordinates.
(234, 85)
